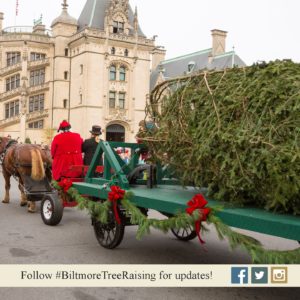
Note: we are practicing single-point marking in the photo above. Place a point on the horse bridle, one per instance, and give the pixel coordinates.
(2, 154)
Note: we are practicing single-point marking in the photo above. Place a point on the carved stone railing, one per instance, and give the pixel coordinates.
(38, 88)
(11, 69)
(23, 29)
(37, 115)
(38, 63)
(29, 117)
(28, 37)
(9, 121)
(116, 36)
(10, 94)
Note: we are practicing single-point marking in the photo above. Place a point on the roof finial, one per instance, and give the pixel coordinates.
(65, 5)
(135, 21)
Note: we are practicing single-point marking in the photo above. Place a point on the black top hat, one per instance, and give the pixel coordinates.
(96, 130)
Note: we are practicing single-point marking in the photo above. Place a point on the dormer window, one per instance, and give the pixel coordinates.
(118, 27)
(191, 66)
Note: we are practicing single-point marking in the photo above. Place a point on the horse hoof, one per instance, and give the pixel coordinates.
(31, 210)
(23, 203)
(5, 201)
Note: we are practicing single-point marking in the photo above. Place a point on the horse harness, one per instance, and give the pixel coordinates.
(2, 155)
(17, 165)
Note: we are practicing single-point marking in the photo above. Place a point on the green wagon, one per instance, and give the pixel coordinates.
(152, 188)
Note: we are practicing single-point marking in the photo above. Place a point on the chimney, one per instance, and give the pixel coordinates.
(1, 20)
(218, 41)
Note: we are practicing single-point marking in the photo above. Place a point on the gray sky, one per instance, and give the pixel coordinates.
(258, 29)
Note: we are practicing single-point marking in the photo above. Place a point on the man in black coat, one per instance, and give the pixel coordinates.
(90, 145)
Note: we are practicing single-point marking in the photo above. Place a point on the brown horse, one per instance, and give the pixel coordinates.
(21, 160)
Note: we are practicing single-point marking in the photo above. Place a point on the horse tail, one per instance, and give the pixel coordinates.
(37, 170)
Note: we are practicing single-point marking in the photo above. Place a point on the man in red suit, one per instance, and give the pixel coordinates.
(66, 152)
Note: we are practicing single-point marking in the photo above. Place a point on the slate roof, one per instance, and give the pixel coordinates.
(93, 15)
(178, 66)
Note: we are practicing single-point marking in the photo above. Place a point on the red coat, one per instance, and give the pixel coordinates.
(66, 151)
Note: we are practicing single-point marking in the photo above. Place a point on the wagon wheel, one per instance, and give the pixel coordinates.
(51, 209)
(111, 234)
(184, 234)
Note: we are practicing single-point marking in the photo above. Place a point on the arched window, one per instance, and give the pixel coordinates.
(118, 27)
(115, 132)
(113, 51)
(112, 72)
(126, 52)
(122, 73)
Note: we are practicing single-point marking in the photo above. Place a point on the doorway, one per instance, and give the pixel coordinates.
(115, 133)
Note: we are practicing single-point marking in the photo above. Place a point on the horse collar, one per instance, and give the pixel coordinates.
(10, 143)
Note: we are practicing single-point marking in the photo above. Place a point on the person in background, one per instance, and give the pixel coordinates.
(66, 152)
(90, 145)
(126, 157)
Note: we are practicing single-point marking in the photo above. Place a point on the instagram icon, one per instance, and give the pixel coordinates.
(279, 275)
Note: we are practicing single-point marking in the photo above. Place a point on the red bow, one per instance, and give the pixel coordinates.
(198, 202)
(65, 184)
(113, 196)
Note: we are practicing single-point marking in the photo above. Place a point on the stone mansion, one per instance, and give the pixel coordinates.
(92, 70)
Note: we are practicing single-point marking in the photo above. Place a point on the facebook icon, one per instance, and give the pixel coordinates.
(239, 275)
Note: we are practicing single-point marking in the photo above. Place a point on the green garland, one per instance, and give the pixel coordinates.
(254, 248)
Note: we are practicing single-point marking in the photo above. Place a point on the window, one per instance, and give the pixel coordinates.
(122, 73)
(112, 99)
(113, 72)
(113, 51)
(36, 125)
(36, 103)
(12, 109)
(126, 52)
(118, 27)
(37, 56)
(37, 77)
(12, 58)
(191, 66)
(122, 100)
(65, 103)
(81, 69)
(12, 82)
(66, 52)
(65, 75)
(80, 98)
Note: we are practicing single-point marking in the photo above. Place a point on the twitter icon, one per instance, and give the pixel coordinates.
(259, 275)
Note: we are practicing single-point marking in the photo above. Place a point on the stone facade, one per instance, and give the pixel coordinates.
(85, 75)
